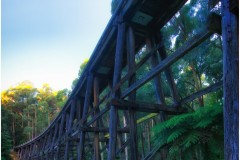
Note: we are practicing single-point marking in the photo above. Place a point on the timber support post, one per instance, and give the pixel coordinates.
(132, 117)
(85, 111)
(116, 79)
(230, 33)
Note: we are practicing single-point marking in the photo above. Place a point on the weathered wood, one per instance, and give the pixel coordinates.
(60, 133)
(202, 92)
(157, 78)
(69, 123)
(55, 135)
(132, 119)
(79, 109)
(103, 129)
(124, 145)
(98, 115)
(83, 120)
(85, 110)
(168, 72)
(66, 133)
(137, 66)
(169, 75)
(146, 107)
(116, 78)
(189, 45)
(96, 134)
(230, 33)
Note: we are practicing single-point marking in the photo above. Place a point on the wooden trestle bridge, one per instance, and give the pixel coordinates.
(103, 91)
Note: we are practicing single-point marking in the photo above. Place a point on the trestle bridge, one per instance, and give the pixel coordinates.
(108, 86)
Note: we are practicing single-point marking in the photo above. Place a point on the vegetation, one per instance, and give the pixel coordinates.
(27, 111)
(199, 133)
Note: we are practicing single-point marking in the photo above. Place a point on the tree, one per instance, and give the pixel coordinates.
(82, 67)
(6, 139)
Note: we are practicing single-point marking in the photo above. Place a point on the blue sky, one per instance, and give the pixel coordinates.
(45, 41)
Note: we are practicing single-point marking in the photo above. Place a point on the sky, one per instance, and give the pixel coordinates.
(45, 41)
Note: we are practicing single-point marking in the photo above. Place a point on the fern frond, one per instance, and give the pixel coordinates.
(178, 120)
(203, 123)
(190, 139)
(175, 134)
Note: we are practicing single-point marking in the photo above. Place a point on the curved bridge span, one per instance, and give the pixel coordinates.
(108, 86)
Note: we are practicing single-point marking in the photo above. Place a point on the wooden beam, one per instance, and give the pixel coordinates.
(230, 40)
(168, 72)
(123, 146)
(151, 41)
(69, 123)
(132, 79)
(146, 107)
(157, 79)
(85, 110)
(98, 115)
(104, 129)
(189, 45)
(137, 66)
(96, 134)
(55, 134)
(202, 92)
(116, 79)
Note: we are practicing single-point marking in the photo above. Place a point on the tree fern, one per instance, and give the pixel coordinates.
(202, 129)
(174, 135)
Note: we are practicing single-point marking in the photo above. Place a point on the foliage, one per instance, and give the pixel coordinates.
(197, 134)
(114, 5)
(27, 111)
(5, 135)
(82, 67)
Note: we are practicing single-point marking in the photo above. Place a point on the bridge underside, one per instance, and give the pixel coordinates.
(107, 89)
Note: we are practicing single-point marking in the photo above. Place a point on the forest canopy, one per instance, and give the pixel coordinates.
(27, 111)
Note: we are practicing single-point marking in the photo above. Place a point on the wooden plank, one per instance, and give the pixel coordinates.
(189, 45)
(146, 107)
(230, 41)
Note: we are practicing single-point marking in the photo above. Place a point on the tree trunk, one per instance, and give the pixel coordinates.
(35, 117)
(13, 131)
(28, 124)
(198, 85)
